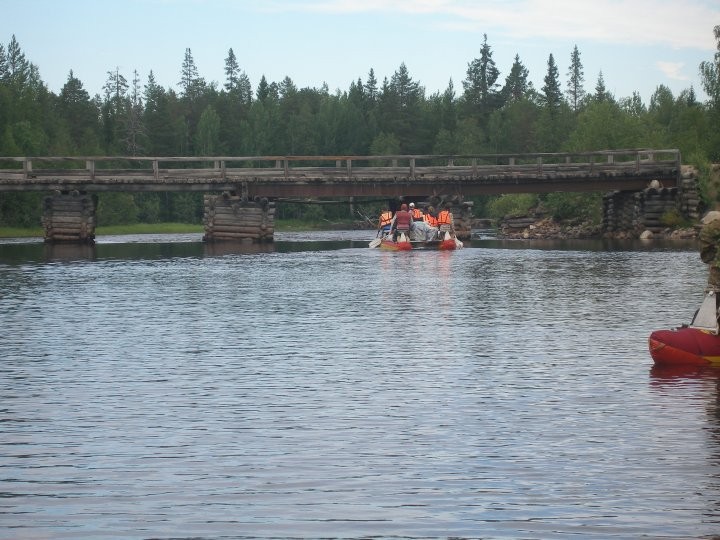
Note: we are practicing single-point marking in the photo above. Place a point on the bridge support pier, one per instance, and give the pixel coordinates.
(69, 217)
(232, 218)
(651, 209)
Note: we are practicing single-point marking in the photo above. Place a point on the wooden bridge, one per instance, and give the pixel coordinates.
(341, 176)
(241, 191)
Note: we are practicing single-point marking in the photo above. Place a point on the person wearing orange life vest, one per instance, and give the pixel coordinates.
(432, 223)
(417, 214)
(445, 220)
(385, 222)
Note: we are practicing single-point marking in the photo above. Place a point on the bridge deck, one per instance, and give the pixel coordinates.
(334, 176)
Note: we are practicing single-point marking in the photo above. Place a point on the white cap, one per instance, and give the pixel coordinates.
(412, 204)
(710, 217)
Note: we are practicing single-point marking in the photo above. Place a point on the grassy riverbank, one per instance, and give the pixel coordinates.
(170, 228)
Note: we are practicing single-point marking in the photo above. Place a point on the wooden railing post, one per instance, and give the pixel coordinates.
(27, 167)
(156, 169)
(539, 162)
(286, 167)
(412, 167)
(348, 164)
(90, 166)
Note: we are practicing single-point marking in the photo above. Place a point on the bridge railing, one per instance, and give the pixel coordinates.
(289, 167)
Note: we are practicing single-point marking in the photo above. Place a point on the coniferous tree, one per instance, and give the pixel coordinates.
(113, 109)
(77, 111)
(18, 68)
(232, 72)
(576, 79)
(371, 88)
(482, 95)
(517, 86)
(189, 75)
(551, 94)
(134, 129)
(208, 133)
(601, 93)
(4, 70)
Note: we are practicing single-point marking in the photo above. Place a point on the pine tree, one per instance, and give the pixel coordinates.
(575, 90)
(115, 88)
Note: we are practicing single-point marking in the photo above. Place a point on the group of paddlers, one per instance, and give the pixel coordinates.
(415, 223)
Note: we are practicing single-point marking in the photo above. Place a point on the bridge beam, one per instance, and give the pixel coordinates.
(230, 217)
(69, 217)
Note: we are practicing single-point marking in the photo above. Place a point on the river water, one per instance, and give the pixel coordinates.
(158, 387)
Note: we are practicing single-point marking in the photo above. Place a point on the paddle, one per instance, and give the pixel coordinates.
(375, 243)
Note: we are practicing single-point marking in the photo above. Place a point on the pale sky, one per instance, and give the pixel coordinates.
(637, 44)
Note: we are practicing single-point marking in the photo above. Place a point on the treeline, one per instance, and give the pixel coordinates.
(490, 112)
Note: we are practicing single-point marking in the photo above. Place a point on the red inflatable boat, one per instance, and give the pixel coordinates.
(696, 344)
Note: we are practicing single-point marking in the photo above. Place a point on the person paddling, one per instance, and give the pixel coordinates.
(385, 221)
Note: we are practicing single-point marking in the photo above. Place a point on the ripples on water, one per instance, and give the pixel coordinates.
(323, 389)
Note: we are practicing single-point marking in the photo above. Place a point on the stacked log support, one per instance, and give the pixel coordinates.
(69, 217)
(656, 203)
(621, 211)
(463, 219)
(649, 209)
(690, 202)
(232, 218)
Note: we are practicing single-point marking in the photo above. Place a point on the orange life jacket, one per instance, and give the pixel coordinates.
(430, 220)
(444, 218)
(385, 218)
(417, 214)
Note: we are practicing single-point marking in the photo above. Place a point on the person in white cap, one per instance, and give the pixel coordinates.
(709, 238)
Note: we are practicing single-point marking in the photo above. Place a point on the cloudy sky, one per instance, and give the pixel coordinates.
(637, 44)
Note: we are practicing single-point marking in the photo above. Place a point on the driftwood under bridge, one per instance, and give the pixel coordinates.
(246, 181)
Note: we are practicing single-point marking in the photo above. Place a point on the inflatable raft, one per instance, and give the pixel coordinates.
(696, 344)
(405, 243)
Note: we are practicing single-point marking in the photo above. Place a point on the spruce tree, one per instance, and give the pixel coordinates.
(481, 89)
(551, 94)
(601, 93)
(517, 85)
(575, 90)
(232, 72)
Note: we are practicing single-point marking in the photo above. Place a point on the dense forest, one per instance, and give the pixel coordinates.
(490, 112)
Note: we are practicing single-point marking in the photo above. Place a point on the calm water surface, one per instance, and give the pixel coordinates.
(157, 387)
